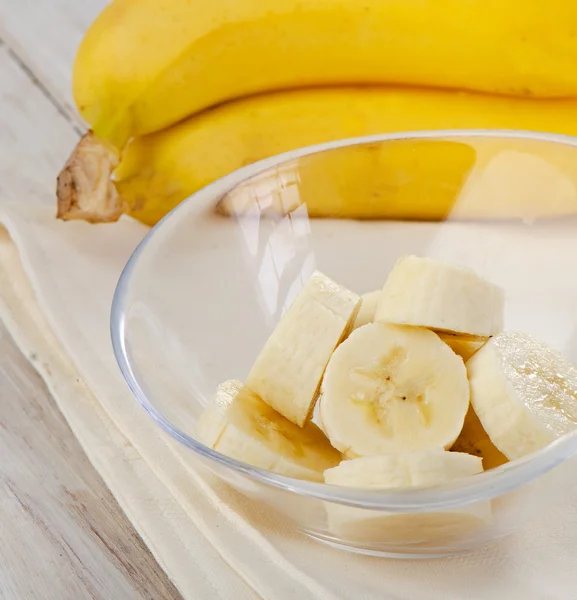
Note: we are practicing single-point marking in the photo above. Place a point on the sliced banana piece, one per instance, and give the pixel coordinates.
(390, 388)
(288, 371)
(429, 293)
(239, 424)
(463, 345)
(316, 416)
(524, 393)
(367, 310)
(350, 455)
(316, 419)
(474, 440)
(392, 471)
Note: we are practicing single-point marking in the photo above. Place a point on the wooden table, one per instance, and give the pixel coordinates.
(62, 534)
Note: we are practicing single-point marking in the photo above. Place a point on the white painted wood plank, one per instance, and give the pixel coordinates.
(62, 534)
(45, 35)
(35, 139)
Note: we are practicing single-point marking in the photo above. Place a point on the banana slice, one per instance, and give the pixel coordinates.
(390, 388)
(349, 455)
(524, 393)
(419, 469)
(239, 424)
(438, 295)
(288, 371)
(474, 440)
(463, 345)
(316, 419)
(367, 310)
(316, 416)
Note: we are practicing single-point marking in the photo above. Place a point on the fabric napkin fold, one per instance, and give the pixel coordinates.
(56, 285)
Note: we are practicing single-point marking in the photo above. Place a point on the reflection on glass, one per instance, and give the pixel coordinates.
(279, 246)
(478, 194)
(419, 180)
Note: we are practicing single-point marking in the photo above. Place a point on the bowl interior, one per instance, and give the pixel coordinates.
(204, 290)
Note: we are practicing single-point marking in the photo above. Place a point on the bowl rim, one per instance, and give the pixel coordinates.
(474, 488)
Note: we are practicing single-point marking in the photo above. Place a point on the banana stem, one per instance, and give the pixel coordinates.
(84, 188)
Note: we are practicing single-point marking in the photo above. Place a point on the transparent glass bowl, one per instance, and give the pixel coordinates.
(203, 292)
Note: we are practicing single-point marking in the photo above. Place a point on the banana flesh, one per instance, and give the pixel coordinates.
(463, 345)
(367, 309)
(390, 388)
(394, 398)
(427, 293)
(524, 393)
(316, 416)
(239, 424)
(287, 373)
(474, 440)
(394, 471)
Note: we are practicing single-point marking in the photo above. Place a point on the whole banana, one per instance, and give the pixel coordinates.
(145, 64)
(198, 89)
(159, 170)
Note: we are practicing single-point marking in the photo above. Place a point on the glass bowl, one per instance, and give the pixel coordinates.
(203, 291)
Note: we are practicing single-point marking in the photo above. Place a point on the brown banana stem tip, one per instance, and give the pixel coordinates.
(84, 189)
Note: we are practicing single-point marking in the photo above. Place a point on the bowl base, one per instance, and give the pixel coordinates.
(405, 554)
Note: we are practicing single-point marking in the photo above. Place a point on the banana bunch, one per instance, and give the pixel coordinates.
(180, 93)
(414, 386)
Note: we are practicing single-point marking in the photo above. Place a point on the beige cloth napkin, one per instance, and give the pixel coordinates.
(56, 284)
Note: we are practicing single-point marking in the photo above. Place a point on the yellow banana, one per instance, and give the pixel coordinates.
(160, 170)
(145, 65)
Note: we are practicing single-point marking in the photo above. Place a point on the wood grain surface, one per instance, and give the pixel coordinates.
(62, 534)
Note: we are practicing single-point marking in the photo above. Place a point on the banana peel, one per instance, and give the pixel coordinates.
(422, 180)
(201, 88)
(145, 65)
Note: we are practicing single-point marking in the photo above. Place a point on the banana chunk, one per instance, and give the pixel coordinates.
(390, 388)
(392, 471)
(474, 440)
(287, 373)
(239, 424)
(429, 293)
(316, 418)
(524, 393)
(463, 345)
(367, 310)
